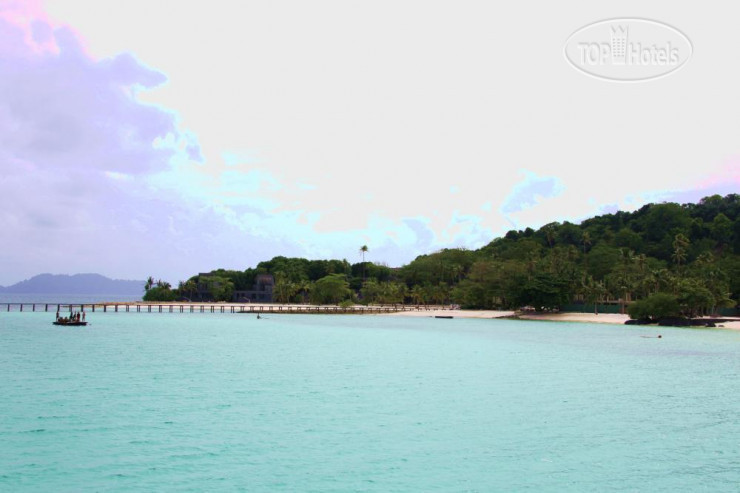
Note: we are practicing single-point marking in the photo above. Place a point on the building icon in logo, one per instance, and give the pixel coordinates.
(619, 44)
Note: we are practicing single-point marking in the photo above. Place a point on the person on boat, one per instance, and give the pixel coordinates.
(83, 316)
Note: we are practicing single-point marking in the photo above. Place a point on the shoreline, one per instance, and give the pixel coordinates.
(602, 318)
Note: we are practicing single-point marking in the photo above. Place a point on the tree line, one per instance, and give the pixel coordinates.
(681, 258)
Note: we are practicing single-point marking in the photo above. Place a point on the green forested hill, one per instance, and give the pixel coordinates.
(690, 251)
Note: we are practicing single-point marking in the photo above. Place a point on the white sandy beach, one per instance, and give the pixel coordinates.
(606, 318)
(602, 318)
(453, 313)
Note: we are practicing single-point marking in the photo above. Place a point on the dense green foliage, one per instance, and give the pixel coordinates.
(331, 289)
(689, 252)
(655, 306)
(160, 294)
(159, 291)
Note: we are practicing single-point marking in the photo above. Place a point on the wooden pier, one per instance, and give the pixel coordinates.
(63, 308)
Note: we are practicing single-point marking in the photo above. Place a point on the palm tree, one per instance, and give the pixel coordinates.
(440, 292)
(163, 284)
(190, 286)
(594, 292)
(304, 287)
(663, 279)
(641, 260)
(586, 241)
(363, 250)
(284, 289)
(417, 294)
(680, 244)
(149, 283)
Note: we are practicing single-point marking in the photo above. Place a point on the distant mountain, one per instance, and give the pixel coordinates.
(75, 284)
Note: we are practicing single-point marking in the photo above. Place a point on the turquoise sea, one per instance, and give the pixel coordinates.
(226, 402)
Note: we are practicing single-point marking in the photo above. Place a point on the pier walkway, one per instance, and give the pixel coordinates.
(213, 308)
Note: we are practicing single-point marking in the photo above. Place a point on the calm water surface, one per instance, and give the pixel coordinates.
(203, 402)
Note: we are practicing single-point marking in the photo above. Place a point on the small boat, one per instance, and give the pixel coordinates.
(443, 316)
(70, 324)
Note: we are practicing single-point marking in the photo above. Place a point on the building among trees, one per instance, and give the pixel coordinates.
(261, 291)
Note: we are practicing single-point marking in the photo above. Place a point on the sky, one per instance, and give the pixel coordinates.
(167, 138)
